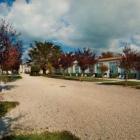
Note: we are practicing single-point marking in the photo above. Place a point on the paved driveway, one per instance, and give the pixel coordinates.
(89, 110)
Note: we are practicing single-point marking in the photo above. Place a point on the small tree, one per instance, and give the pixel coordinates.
(137, 63)
(127, 61)
(85, 58)
(55, 58)
(103, 68)
(66, 60)
(12, 59)
(10, 47)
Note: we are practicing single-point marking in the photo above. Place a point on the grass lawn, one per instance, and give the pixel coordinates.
(9, 78)
(133, 84)
(86, 79)
(45, 136)
(6, 106)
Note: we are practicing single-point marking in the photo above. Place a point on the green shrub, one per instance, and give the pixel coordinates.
(35, 70)
(114, 75)
(131, 75)
(98, 75)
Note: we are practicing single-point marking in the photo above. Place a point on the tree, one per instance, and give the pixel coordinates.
(127, 61)
(55, 57)
(137, 63)
(66, 60)
(85, 58)
(43, 54)
(12, 59)
(103, 68)
(10, 47)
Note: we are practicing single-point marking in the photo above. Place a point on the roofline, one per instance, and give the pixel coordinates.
(109, 59)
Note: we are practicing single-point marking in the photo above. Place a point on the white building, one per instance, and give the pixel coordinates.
(114, 71)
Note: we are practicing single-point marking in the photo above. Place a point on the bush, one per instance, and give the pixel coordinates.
(68, 74)
(98, 75)
(35, 70)
(114, 75)
(132, 76)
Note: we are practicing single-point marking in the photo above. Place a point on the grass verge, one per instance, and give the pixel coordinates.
(133, 84)
(45, 136)
(9, 78)
(86, 79)
(6, 106)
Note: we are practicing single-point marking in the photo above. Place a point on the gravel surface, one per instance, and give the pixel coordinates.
(88, 110)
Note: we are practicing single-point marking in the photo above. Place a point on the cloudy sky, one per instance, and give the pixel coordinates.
(98, 24)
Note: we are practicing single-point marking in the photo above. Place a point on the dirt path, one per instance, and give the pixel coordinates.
(91, 111)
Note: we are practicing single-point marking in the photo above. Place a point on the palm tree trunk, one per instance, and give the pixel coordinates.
(44, 71)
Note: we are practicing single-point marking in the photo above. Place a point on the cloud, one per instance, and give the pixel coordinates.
(79, 23)
(40, 19)
(99, 22)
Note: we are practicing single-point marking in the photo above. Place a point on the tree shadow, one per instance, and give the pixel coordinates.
(7, 87)
(5, 125)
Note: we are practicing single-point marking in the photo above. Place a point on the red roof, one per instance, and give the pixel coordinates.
(109, 59)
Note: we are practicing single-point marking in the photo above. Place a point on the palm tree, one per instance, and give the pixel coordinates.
(43, 53)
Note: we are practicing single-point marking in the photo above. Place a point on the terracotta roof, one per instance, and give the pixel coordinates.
(109, 59)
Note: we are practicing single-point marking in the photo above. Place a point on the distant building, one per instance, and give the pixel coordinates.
(25, 68)
(114, 71)
(113, 67)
